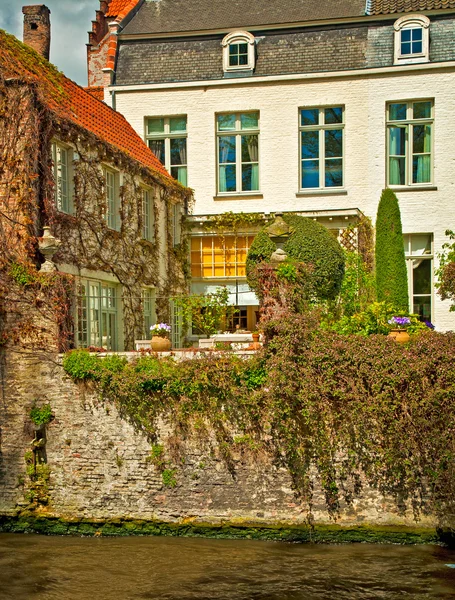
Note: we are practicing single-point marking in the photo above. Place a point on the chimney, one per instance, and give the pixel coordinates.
(37, 28)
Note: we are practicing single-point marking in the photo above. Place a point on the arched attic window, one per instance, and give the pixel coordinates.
(238, 51)
(412, 39)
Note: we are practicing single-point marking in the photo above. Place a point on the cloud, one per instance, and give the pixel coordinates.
(70, 21)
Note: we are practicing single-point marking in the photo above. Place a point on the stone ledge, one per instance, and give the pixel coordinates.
(238, 529)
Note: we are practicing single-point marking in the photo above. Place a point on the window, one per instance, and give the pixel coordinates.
(409, 142)
(176, 326)
(148, 220)
(239, 319)
(219, 256)
(411, 39)
(321, 147)
(111, 179)
(176, 216)
(238, 152)
(148, 309)
(238, 51)
(418, 250)
(62, 159)
(97, 314)
(166, 138)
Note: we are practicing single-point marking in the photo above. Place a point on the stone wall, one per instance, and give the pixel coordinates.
(100, 471)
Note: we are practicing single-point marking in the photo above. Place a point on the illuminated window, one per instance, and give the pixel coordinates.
(219, 256)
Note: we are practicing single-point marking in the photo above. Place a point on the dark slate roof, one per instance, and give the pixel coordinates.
(166, 16)
(385, 7)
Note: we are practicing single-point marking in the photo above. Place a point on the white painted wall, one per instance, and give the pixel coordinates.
(364, 96)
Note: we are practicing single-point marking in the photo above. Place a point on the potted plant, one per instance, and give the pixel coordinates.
(160, 340)
(398, 329)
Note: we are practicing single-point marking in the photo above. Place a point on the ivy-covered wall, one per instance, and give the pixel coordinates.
(88, 247)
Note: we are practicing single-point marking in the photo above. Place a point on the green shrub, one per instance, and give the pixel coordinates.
(391, 275)
(310, 243)
(41, 416)
(446, 270)
(81, 365)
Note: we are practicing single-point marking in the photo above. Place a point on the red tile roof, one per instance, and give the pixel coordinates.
(70, 102)
(382, 7)
(120, 8)
(96, 91)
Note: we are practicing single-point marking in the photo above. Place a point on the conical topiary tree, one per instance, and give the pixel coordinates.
(391, 275)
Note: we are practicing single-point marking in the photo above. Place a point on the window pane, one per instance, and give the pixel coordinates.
(243, 48)
(416, 47)
(243, 59)
(234, 60)
(250, 148)
(397, 171)
(180, 173)
(227, 178)
(226, 122)
(309, 116)
(420, 244)
(421, 270)
(333, 143)
(178, 151)
(250, 178)
(421, 169)
(422, 307)
(310, 174)
(397, 112)
(405, 48)
(177, 124)
(155, 126)
(422, 110)
(157, 147)
(333, 115)
(334, 172)
(416, 34)
(406, 35)
(421, 138)
(310, 144)
(227, 149)
(397, 141)
(249, 120)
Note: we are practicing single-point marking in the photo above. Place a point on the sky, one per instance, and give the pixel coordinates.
(70, 21)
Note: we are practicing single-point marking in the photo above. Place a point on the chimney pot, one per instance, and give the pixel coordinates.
(37, 28)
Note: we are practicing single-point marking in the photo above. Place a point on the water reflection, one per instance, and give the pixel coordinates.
(48, 568)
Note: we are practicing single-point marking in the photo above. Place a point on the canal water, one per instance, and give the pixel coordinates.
(68, 568)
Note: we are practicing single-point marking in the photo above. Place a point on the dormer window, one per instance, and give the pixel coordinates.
(238, 52)
(412, 33)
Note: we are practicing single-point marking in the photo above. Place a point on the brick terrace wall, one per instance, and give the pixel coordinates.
(99, 466)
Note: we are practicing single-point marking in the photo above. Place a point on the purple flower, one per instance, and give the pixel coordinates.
(400, 321)
(429, 324)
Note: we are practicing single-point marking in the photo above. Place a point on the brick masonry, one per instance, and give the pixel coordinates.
(99, 468)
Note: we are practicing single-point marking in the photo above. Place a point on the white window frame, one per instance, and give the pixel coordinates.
(408, 124)
(322, 128)
(112, 196)
(62, 158)
(407, 22)
(235, 38)
(238, 132)
(167, 136)
(147, 214)
(410, 258)
(98, 303)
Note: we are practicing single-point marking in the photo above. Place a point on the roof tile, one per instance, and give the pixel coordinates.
(385, 7)
(71, 102)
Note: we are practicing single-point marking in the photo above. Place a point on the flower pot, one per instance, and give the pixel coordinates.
(399, 335)
(160, 344)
